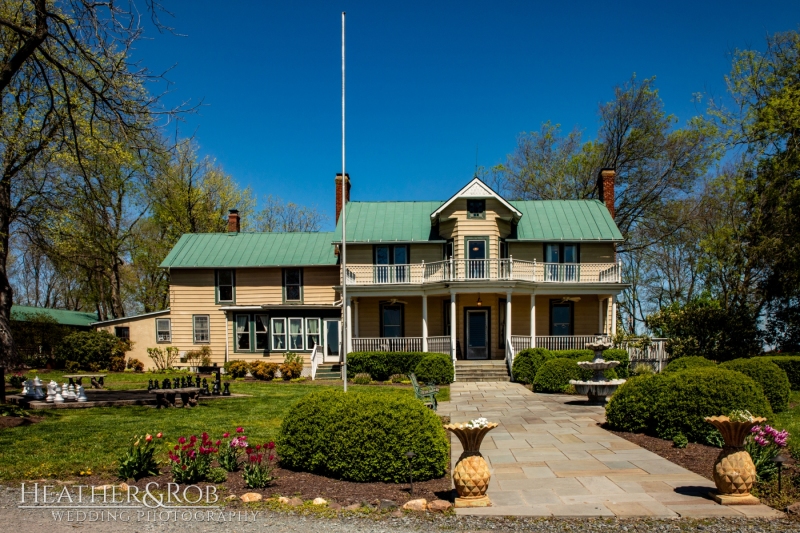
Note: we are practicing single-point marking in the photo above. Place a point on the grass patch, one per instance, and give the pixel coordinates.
(69, 441)
(790, 421)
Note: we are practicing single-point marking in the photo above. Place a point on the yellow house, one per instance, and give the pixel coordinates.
(476, 276)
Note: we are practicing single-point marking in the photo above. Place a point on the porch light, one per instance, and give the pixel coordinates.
(479, 302)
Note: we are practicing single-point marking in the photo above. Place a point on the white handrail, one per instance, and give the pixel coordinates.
(315, 356)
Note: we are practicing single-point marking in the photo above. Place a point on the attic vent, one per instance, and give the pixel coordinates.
(476, 208)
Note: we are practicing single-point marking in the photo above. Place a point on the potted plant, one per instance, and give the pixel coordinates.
(734, 471)
(471, 475)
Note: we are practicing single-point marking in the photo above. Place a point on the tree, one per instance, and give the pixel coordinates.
(280, 216)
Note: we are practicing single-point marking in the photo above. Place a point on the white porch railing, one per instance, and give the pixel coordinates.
(387, 344)
(565, 342)
(482, 270)
(316, 357)
(510, 353)
(439, 345)
(520, 342)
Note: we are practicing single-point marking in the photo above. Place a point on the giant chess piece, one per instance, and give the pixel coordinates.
(37, 389)
(227, 391)
(65, 392)
(176, 383)
(81, 394)
(197, 381)
(58, 398)
(149, 385)
(72, 395)
(183, 382)
(215, 389)
(27, 388)
(51, 391)
(204, 390)
(165, 383)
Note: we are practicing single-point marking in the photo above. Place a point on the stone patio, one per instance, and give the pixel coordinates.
(550, 457)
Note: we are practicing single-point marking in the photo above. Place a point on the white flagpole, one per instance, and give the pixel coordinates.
(344, 240)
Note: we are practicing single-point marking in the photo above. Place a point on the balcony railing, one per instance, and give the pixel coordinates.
(400, 344)
(483, 270)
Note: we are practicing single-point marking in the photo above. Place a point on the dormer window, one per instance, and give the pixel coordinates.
(476, 209)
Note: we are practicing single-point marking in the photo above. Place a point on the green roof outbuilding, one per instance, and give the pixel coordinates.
(23, 313)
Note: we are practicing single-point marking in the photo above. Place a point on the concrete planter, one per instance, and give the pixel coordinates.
(734, 471)
(471, 475)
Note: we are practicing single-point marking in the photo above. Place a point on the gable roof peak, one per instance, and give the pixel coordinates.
(476, 189)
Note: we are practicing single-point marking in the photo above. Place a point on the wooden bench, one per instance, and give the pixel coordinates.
(166, 397)
(76, 379)
(426, 394)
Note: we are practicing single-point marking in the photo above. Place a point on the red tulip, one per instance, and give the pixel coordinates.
(239, 430)
(270, 445)
(159, 435)
(182, 440)
(226, 435)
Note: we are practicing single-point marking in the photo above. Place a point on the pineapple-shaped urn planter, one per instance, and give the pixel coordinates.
(471, 475)
(734, 471)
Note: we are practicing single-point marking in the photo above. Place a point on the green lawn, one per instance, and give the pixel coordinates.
(790, 420)
(68, 441)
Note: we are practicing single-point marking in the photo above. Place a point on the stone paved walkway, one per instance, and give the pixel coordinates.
(550, 457)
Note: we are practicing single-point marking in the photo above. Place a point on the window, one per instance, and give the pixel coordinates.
(503, 249)
(293, 284)
(163, 330)
(225, 285)
(122, 332)
(278, 333)
(385, 256)
(391, 320)
(295, 333)
(476, 208)
(312, 333)
(561, 318)
(446, 317)
(201, 328)
(501, 318)
(447, 250)
(242, 333)
(262, 333)
(561, 262)
(561, 253)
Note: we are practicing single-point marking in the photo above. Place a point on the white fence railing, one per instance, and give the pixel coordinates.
(653, 354)
(484, 269)
(565, 342)
(520, 342)
(439, 345)
(387, 344)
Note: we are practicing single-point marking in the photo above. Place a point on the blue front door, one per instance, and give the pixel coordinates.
(478, 334)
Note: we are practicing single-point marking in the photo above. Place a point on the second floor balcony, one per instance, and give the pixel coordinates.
(478, 270)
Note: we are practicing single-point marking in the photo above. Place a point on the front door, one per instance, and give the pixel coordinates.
(477, 334)
(561, 321)
(331, 342)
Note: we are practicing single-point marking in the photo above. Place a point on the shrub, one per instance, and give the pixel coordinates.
(139, 461)
(135, 365)
(292, 367)
(680, 441)
(236, 368)
(572, 354)
(435, 369)
(642, 369)
(616, 354)
(16, 379)
(692, 361)
(91, 350)
(381, 365)
(362, 379)
(363, 436)
(669, 404)
(554, 375)
(201, 357)
(789, 364)
(263, 370)
(772, 379)
(163, 359)
(398, 378)
(527, 362)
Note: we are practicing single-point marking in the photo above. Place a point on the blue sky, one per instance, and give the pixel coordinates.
(427, 82)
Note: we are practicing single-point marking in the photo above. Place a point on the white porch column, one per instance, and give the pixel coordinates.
(227, 336)
(349, 325)
(453, 326)
(533, 321)
(507, 332)
(613, 315)
(355, 318)
(424, 322)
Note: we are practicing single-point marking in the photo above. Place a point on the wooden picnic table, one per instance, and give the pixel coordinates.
(166, 397)
(76, 379)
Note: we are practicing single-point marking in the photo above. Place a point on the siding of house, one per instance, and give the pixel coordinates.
(142, 334)
(491, 227)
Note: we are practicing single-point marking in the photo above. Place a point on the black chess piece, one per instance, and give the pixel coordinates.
(176, 383)
(197, 381)
(183, 382)
(215, 390)
(227, 391)
(203, 387)
(166, 384)
(149, 385)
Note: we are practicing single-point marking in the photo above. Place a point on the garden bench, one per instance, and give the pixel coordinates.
(166, 397)
(424, 393)
(76, 379)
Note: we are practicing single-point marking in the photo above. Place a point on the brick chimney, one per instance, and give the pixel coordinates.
(233, 221)
(338, 182)
(605, 184)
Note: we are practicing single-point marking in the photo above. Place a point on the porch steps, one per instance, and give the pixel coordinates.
(330, 372)
(483, 371)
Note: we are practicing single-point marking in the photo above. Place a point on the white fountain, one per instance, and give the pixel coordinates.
(598, 387)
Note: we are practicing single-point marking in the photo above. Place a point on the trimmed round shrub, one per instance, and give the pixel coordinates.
(772, 379)
(435, 369)
(362, 379)
(616, 354)
(527, 362)
(92, 350)
(363, 436)
(381, 365)
(671, 404)
(263, 370)
(135, 365)
(554, 375)
(789, 364)
(237, 368)
(690, 361)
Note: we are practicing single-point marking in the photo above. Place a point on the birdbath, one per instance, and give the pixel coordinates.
(734, 471)
(597, 388)
(471, 475)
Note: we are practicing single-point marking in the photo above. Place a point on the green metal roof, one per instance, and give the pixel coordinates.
(565, 220)
(542, 220)
(23, 313)
(388, 221)
(242, 250)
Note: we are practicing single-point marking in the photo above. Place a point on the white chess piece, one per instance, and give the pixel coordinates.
(58, 398)
(65, 392)
(81, 394)
(27, 388)
(72, 395)
(51, 391)
(37, 389)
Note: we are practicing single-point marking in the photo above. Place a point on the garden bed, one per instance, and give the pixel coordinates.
(14, 421)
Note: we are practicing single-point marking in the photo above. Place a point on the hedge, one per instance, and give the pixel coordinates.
(554, 375)
(363, 436)
(671, 404)
(527, 363)
(381, 365)
(92, 350)
(690, 361)
(435, 368)
(771, 377)
(789, 364)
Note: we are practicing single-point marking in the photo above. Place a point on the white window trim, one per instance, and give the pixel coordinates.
(168, 330)
(318, 334)
(266, 333)
(272, 334)
(302, 334)
(194, 329)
